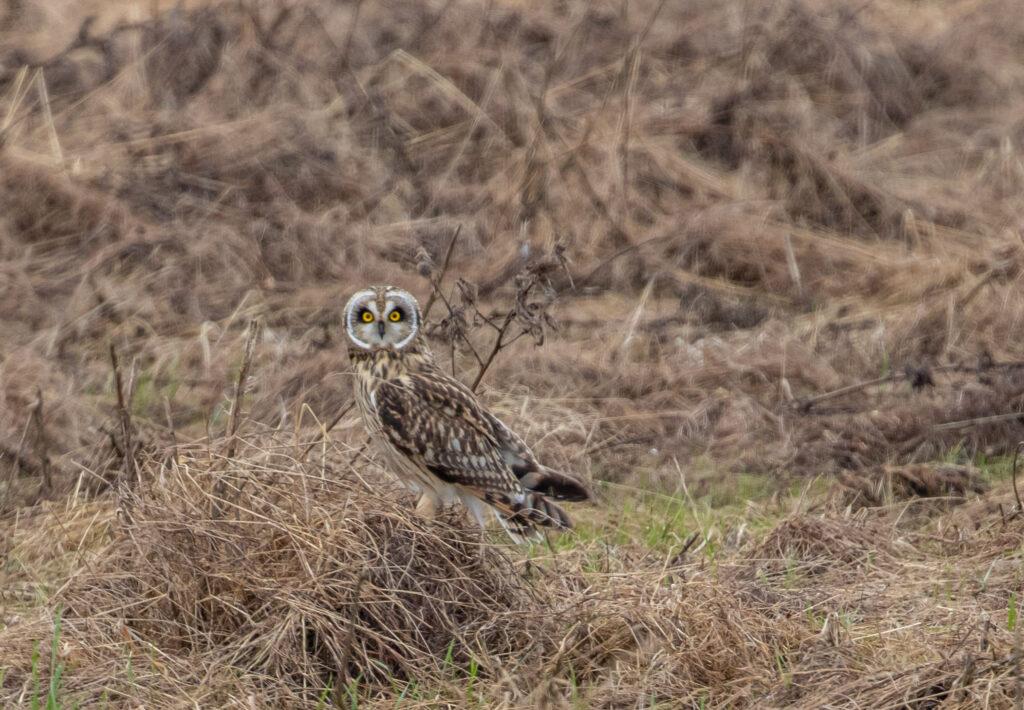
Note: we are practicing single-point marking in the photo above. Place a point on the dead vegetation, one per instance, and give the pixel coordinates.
(758, 241)
(291, 583)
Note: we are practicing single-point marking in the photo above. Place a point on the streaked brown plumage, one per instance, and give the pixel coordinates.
(434, 433)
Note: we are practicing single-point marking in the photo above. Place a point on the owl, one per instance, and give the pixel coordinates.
(432, 431)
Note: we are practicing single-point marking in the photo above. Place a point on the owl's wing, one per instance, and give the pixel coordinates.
(438, 424)
(532, 474)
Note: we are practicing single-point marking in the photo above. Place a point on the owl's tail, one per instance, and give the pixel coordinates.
(525, 510)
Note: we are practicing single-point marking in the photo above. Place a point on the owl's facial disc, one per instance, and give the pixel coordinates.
(381, 317)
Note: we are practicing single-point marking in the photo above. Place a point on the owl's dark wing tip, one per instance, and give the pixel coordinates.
(555, 484)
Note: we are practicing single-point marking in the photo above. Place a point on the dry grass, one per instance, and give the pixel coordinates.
(785, 240)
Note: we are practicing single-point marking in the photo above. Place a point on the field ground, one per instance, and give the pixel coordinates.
(766, 260)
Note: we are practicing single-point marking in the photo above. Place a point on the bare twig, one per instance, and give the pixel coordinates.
(458, 330)
(334, 422)
(531, 317)
(44, 453)
(631, 69)
(1016, 493)
(680, 557)
(347, 46)
(128, 468)
(436, 282)
(243, 375)
(170, 426)
(494, 350)
(964, 423)
(806, 404)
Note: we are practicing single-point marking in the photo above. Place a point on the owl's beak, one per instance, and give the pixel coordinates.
(380, 328)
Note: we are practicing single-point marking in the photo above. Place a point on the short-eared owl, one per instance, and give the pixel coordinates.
(434, 433)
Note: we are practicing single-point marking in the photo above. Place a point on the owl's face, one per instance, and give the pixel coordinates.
(382, 316)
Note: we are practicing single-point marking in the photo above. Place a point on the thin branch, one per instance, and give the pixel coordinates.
(323, 433)
(494, 350)
(523, 290)
(170, 426)
(589, 276)
(44, 453)
(680, 557)
(359, 451)
(1016, 493)
(459, 332)
(806, 404)
(347, 46)
(436, 283)
(964, 423)
(243, 375)
(124, 414)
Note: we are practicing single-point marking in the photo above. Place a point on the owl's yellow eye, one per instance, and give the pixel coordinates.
(367, 317)
(395, 316)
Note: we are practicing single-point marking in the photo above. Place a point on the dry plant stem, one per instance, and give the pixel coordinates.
(436, 283)
(333, 423)
(1016, 493)
(963, 423)
(460, 334)
(806, 404)
(347, 46)
(346, 649)
(170, 426)
(680, 557)
(128, 467)
(586, 279)
(498, 344)
(243, 375)
(44, 454)
(630, 71)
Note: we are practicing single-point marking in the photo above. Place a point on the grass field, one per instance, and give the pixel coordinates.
(774, 260)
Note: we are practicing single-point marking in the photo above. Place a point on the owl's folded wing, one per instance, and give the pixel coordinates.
(441, 430)
(441, 421)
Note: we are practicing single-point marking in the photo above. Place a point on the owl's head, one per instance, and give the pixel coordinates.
(382, 316)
